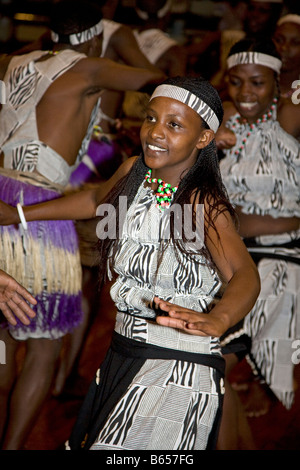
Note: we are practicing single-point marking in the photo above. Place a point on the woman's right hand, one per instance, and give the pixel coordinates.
(8, 214)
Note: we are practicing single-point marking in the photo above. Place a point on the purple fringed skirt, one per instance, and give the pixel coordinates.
(45, 259)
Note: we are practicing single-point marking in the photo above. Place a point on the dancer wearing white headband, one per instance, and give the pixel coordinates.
(78, 38)
(52, 104)
(261, 173)
(179, 282)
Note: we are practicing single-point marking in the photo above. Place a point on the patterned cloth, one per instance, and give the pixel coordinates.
(173, 401)
(45, 258)
(262, 178)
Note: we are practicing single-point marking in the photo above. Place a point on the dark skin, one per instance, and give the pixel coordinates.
(256, 84)
(14, 300)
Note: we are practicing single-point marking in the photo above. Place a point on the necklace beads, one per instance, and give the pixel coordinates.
(265, 117)
(164, 193)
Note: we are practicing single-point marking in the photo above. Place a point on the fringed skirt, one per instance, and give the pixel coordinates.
(147, 397)
(44, 259)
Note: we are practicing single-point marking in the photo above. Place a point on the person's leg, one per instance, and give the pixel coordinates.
(31, 390)
(235, 433)
(8, 372)
(74, 342)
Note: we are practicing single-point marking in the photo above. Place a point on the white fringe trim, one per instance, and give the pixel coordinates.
(40, 268)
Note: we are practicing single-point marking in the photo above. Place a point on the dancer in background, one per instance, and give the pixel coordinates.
(287, 42)
(261, 173)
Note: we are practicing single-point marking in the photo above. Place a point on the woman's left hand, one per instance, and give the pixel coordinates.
(190, 321)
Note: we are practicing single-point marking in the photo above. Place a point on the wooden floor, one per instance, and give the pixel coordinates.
(277, 430)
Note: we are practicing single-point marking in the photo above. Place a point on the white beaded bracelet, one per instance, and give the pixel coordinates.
(22, 216)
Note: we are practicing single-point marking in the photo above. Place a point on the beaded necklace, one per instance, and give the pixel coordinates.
(266, 117)
(165, 192)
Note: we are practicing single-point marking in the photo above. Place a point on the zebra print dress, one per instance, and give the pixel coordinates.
(262, 178)
(167, 385)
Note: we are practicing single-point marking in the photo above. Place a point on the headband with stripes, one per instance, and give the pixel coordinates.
(245, 58)
(79, 38)
(191, 100)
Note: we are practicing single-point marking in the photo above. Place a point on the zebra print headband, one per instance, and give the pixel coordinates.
(244, 58)
(191, 100)
(79, 38)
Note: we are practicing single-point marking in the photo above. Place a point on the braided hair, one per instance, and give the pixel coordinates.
(201, 184)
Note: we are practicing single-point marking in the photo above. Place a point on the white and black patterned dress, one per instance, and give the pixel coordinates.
(262, 178)
(158, 388)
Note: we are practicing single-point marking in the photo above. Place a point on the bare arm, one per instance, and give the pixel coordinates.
(127, 49)
(108, 74)
(252, 225)
(76, 206)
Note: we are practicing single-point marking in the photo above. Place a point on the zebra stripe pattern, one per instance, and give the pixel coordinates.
(245, 58)
(83, 36)
(191, 100)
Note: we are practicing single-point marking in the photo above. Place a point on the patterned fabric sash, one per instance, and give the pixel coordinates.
(252, 245)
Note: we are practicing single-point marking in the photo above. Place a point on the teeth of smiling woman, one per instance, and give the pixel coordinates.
(156, 149)
(247, 105)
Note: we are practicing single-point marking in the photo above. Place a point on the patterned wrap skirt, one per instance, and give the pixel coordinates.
(149, 397)
(267, 336)
(44, 259)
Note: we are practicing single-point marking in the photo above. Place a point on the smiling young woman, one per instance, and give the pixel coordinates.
(173, 300)
(260, 170)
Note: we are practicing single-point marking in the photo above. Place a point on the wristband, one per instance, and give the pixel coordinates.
(22, 216)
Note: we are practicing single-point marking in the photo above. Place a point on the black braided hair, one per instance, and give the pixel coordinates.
(202, 183)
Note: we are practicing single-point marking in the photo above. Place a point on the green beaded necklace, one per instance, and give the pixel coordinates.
(165, 192)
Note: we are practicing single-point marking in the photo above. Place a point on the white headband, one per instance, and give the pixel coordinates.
(289, 19)
(83, 36)
(191, 100)
(244, 58)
